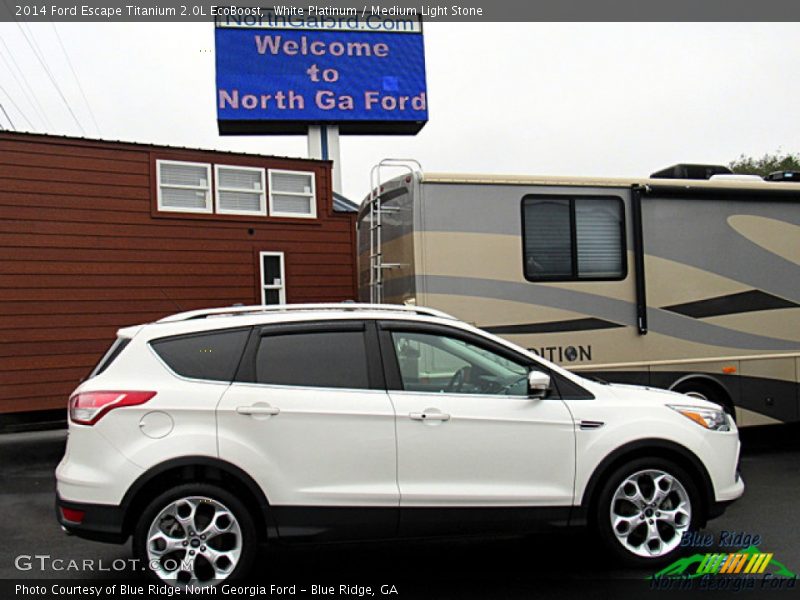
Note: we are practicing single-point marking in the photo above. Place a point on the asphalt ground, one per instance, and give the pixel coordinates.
(565, 564)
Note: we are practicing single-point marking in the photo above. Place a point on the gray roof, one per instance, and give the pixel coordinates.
(67, 138)
(342, 204)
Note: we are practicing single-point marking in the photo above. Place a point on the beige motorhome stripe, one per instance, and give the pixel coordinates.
(776, 236)
(683, 361)
(609, 309)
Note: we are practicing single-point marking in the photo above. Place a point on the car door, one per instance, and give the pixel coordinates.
(475, 452)
(310, 420)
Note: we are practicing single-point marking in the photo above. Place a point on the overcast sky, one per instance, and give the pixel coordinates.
(537, 98)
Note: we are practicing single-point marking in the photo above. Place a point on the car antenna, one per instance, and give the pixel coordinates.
(175, 302)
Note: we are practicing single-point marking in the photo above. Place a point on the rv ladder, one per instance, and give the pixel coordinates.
(376, 211)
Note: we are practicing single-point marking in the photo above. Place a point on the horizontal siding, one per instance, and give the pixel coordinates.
(303, 264)
(94, 286)
(95, 152)
(51, 175)
(300, 253)
(43, 402)
(64, 375)
(109, 210)
(111, 319)
(60, 188)
(15, 200)
(81, 255)
(55, 222)
(37, 333)
(334, 242)
(20, 158)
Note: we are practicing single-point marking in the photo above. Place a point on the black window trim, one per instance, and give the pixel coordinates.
(246, 373)
(394, 381)
(573, 237)
(110, 355)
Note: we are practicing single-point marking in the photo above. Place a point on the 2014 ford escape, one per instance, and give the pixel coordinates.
(208, 432)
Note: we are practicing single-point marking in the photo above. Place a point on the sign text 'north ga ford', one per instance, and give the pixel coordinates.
(273, 77)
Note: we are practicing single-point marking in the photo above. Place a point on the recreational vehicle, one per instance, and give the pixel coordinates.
(687, 284)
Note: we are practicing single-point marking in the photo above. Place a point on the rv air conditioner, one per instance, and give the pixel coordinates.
(690, 171)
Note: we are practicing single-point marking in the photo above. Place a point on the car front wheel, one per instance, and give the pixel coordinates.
(195, 534)
(644, 509)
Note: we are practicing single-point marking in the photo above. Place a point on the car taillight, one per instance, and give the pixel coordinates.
(87, 408)
(72, 515)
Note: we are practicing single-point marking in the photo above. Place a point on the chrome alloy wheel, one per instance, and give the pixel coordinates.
(194, 541)
(650, 510)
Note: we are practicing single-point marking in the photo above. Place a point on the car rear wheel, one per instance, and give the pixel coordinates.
(644, 509)
(195, 534)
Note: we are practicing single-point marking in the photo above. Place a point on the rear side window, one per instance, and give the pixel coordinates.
(332, 359)
(211, 355)
(110, 356)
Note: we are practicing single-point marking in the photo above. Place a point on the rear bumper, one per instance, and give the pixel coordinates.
(100, 522)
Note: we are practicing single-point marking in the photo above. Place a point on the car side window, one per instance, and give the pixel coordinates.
(442, 364)
(329, 359)
(211, 355)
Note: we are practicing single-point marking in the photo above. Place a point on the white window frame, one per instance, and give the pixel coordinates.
(262, 204)
(265, 287)
(312, 197)
(208, 208)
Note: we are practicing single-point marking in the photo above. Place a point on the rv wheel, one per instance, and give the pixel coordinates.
(706, 391)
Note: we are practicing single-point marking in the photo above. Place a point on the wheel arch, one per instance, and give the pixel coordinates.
(709, 380)
(198, 469)
(656, 448)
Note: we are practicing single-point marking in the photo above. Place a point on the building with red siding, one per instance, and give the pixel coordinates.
(96, 235)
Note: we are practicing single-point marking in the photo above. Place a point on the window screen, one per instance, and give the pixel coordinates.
(184, 187)
(332, 359)
(548, 246)
(292, 194)
(573, 238)
(240, 190)
(214, 355)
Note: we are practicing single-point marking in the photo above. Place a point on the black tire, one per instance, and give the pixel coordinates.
(247, 537)
(602, 519)
(701, 389)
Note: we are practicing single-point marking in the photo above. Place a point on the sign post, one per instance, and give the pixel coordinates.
(323, 143)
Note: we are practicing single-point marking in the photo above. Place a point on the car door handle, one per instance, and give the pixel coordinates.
(429, 416)
(257, 410)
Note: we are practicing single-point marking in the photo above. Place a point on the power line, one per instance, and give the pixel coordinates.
(75, 75)
(52, 79)
(10, 122)
(19, 110)
(37, 107)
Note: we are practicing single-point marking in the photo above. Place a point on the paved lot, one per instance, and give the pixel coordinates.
(502, 567)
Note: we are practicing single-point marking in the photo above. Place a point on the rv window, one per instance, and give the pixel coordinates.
(567, 238)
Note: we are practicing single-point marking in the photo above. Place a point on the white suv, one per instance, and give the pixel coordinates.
(209, 432)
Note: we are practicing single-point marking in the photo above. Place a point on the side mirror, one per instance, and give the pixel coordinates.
(538, 384)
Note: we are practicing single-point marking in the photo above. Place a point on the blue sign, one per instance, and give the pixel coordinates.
(280, 80)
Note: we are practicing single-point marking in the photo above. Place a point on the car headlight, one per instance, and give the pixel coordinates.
(710, 418)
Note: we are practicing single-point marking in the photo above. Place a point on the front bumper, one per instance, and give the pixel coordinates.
(100, 522)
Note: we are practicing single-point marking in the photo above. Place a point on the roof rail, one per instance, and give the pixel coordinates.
(278, 308)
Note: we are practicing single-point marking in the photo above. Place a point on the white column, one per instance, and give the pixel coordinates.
(323, 143)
